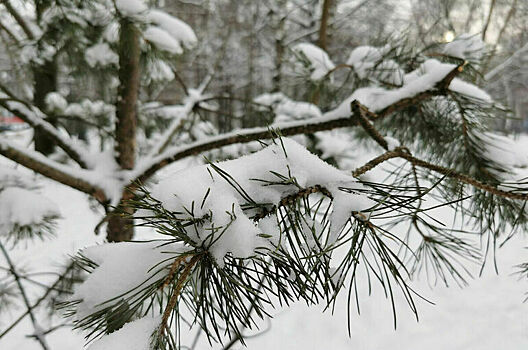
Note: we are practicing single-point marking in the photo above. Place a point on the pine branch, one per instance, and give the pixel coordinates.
(29, 308)
(402, 152)
(146, 170)
(39, 301)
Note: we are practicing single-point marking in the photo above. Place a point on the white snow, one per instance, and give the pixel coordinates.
(465, 46)
(21, 207)
(131, 7)
(159, 70)
(377, 98)
(178, 29)
(162, 40)
(55, 102)
(122, 267)
(135, 335)
(470, 90)
(368, 62)
(392, 142)
(241, 237)
(100, 55)
(319, 61)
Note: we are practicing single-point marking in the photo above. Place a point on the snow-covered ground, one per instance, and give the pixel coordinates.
(488, 314)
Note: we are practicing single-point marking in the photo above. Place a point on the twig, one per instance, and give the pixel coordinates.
(180, 283)
(29, 308)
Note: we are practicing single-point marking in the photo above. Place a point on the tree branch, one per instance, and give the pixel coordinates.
(38, 163)
(20, 20)
(34, 117)
(144, 171)
(402, 152)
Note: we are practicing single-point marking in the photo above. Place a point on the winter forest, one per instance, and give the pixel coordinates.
(263, 174)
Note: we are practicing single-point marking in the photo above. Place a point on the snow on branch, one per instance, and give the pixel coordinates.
(75, 178)
(220, 213)
(386, 102)
(316, 58)
(193, 99)
(34, 117)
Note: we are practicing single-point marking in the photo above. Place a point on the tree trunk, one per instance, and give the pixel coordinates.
(323, 29)
(45, 81)
(120, 227)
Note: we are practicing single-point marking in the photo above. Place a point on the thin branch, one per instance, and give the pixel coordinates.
(34, 117)
(180, 283)
(32, 317)
(402, 152)
(145, 171)
(55, 171)
(20, 20)
(37, 303)
(486, 25)
(178, 123)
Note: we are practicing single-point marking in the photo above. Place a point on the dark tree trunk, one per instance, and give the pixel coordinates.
(120, 227)
(45, 81)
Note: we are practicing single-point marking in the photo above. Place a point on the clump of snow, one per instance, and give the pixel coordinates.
(126, 265)
(90, 109)
(377, 98)
(162, 40)
(55, 102)
(158, 70)
(136, 335)
(470, 90)
(466, 46)
(131, 7)
(368, 62)
(236, 233)
(287, 109)
(320, 63)
(11, 177)
(270, 99)
(100, 55)
(21, 207)
(178, 29)
(111, 32)
(502, 150)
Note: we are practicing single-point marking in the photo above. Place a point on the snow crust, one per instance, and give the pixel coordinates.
(134, 335)
(319, 61)
(21, 207)
(377, 98)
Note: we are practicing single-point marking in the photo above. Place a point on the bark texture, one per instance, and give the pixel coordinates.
(120, 227)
